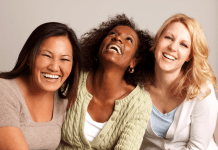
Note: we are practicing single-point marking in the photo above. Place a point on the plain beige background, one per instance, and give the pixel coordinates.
(18, 18)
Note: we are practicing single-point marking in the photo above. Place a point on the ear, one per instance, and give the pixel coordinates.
(133, 62)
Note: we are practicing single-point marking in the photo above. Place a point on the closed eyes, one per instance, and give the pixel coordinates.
(168, 37)
(183, 44)
(46, 55)
(64, 59)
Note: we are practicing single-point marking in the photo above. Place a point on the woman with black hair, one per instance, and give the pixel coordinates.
(33, 95)
(111, 110)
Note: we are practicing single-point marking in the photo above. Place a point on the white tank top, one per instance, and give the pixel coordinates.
(92, 128)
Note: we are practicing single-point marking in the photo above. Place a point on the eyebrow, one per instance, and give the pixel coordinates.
(46, 51)
(126, 33)
(52, 53)
(182, 39)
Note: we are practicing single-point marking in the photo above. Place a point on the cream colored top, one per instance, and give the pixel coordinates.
(192, 128)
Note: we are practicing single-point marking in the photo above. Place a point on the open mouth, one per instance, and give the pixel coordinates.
(49, 76)
(169, 57)
(115, 48)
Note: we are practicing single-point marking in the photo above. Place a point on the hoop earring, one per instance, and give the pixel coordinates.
(131, 70)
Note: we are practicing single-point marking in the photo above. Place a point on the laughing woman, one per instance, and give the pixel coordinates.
(111, 110)
(33, 95)
(185, 107)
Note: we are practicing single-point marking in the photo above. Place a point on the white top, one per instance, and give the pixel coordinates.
(192, 129)
(92, 128)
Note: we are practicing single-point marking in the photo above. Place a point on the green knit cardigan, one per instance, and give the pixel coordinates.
(123, 131)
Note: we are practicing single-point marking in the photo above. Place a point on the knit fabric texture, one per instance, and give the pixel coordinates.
(123, 131)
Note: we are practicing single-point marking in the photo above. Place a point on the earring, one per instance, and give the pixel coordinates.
(96, 59)
(131, 70)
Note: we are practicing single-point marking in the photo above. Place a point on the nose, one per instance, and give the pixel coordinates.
(117, 38)
(173, 46)
(54, 66)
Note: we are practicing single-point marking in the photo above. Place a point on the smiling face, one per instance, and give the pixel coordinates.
(119, 47)
(53, 63)
(173, 48)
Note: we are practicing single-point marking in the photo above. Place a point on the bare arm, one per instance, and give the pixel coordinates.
(12, 138)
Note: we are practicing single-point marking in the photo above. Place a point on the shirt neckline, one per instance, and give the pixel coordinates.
(25, 105)
(165, 114)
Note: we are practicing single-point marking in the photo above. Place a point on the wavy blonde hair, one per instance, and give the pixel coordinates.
(197, 72)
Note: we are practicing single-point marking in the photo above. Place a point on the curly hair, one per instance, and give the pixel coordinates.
(197, 72)
(91, 41)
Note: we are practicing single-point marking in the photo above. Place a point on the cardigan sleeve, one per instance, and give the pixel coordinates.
(132, 135)
(203, 122)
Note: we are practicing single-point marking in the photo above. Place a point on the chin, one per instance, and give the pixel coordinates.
(50, 88)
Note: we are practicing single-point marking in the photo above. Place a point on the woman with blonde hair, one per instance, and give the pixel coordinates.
(182, 89)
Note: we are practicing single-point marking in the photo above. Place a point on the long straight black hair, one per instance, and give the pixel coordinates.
(27, 56)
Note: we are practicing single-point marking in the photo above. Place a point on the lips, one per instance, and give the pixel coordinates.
(169, 56)
(50, 76)
(115, 48)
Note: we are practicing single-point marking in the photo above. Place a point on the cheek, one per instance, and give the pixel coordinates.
(39, 66)
(162, 44)
(186, 55)
(41, 62)
(157, 53)
(102, 44)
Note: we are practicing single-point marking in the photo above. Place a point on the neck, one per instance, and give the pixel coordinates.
(107, 84)
(164, 79)
(29, 90)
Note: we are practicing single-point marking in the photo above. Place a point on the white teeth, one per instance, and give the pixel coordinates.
(169, 57)
(115, 48)
(50, 76)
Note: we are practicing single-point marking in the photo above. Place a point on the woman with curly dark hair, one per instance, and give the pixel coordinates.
(111, 110)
